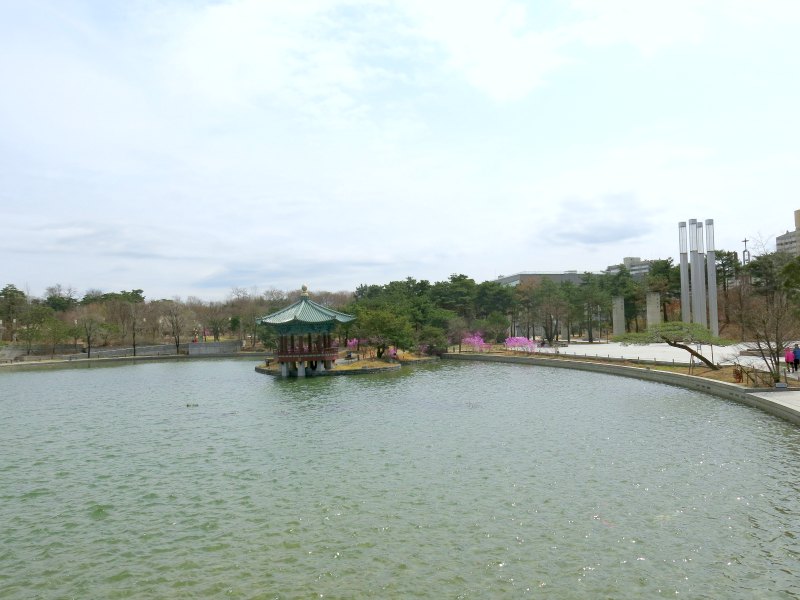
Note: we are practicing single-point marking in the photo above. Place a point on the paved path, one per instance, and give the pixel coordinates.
(658, 352)
(725, 355)
(788, 398)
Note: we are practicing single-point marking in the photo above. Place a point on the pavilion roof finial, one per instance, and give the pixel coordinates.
(304, 291)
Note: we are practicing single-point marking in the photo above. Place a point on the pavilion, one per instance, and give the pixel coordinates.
(305, 345)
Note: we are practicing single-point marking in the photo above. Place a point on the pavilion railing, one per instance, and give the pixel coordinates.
(307, 354)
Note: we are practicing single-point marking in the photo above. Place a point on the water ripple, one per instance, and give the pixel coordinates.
(204, 479)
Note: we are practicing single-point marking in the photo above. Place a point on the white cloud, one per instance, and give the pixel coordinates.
(300, 56)
(325, 56)
(354, 139)
(492, 44)
(757, 13)
(648, 26)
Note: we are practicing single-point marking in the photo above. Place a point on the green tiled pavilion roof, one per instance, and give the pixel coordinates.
(305, 312)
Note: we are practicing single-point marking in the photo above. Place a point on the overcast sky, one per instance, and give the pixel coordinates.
(189, 147)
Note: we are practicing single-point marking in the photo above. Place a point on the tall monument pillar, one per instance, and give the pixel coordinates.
(653, 308)
(686, 304)
(711, 266)
(694, 269)
(698, 305)
(618, 315)
(700, 315)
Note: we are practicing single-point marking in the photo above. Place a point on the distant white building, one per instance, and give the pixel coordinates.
(789, 242)
(533, 278)
(636, 266)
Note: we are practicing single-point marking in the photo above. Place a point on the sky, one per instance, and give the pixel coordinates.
(187, 148)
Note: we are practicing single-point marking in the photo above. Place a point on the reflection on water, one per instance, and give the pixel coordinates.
(204, 478)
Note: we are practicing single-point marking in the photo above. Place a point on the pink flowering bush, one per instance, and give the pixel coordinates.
(352, 344)
(476, 341)
(520, 344)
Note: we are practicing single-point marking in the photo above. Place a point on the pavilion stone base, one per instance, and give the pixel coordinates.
(305, 368)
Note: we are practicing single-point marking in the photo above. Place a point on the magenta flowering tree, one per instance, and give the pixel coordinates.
(352, 344)
(520, 344)
(475, 340)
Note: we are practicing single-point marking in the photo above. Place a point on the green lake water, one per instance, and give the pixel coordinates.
(204, 479)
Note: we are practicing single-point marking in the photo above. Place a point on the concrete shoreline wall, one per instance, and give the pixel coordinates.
(80, 360)
(190, 348)
(228, 347)
(728, 391)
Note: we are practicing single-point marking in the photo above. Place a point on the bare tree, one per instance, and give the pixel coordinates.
(334, 300)
(118, 313)
(90, 321)
(772, 325)
(275, 299)
(152, 320)
(246, 307)
(32, 323)
(550, 308)
(135, 314)
(55, 331)
(178, 320)
(237, 300)
(92, 295)
(215, 317)
(60, 291)
(60, 298)
(457, 329)
(772, 318)
(254, 308)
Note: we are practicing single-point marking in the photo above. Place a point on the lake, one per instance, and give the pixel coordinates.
(202, 479)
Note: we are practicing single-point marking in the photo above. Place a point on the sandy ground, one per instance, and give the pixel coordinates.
(725, 355)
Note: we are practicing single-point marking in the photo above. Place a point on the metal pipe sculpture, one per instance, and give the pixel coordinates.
(686, 305)
(697, 304)
(711, 266)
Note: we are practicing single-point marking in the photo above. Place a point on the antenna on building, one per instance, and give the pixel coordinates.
(745, 253)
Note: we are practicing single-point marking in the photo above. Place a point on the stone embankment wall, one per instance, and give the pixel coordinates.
(46, 350)
(192, 349)
(157, 350)
(729, 391)
(211, 348)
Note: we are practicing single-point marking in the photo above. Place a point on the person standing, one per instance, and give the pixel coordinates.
(796, 352)
(789, 357)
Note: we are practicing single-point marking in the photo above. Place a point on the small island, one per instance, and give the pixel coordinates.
(305, 344)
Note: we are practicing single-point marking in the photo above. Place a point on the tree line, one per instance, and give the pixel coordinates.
(62, 318)
(755, 301)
